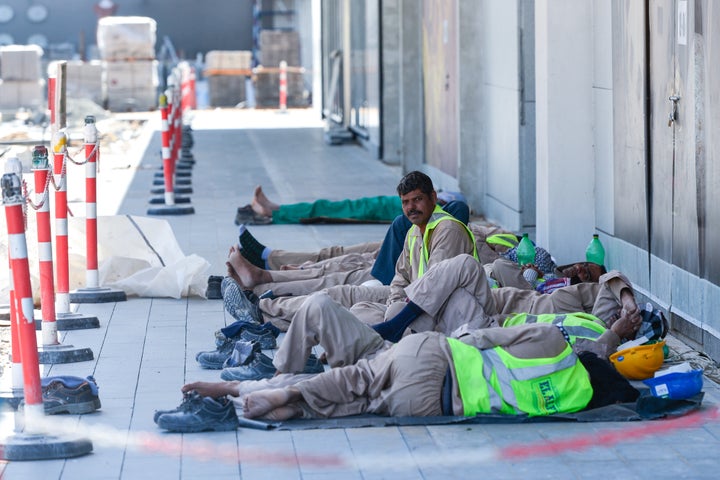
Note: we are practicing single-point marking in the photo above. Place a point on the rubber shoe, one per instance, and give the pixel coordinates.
(242, 353)
(237, 304)
(259, 367)
(313, 365)
(264, 334)
(213, 291)
(200, 414)
(67, 394)
(214, 359)
(183, 407)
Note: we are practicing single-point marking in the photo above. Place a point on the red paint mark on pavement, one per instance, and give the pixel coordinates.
(609, 437)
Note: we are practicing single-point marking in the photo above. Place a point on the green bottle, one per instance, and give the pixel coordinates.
(595, 252)
(525, 251)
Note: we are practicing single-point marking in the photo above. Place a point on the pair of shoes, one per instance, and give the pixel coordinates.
(68, 394)
(213, 291)
(261, 366)
(199, 414)
(237, 304)
(242, 353)
(265, 334)
(246, 215)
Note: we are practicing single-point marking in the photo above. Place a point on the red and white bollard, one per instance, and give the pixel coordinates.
(45, 257)
(283, 86)
(93, 293)
(30, 443)
(52, 351)
(62, 293)
(169, 135)
(17, 376)
(65, 319)
(91, 155)
(14, 215)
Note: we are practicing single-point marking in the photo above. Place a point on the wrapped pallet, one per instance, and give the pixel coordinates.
(132, 85)
(20, 63)
(15, 94)
(85, 80)
(124, 38)
(226, 72)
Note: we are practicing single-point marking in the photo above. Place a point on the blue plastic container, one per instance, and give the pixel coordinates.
(677, 386)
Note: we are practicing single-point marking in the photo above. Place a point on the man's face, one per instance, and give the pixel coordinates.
(583, 272)
(418, 206)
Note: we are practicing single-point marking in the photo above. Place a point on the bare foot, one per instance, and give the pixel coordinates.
(273, 404)
(244, 272)
(626, 325)
(212, 389)
(261, 204)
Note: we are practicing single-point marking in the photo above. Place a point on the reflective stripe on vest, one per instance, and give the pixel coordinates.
(437, 216)
(577, 325)
(505, 239)
(494, 381)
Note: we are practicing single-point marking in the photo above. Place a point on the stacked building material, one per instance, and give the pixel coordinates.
(21, 82)
(226, 72)
(127, 49)
(277, 46)
(85, 80)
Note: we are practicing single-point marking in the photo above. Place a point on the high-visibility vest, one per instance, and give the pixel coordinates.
(576, 325)
(509, 240)
(437, 216)
(494, 381)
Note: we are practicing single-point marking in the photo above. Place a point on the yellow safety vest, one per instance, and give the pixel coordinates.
(577, 325)
(437, 216)
(493, 381)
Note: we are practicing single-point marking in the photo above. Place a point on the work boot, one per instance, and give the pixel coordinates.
(214, 359)
(242, 354)
(259, 367)
(263, 334)
(237, 303)
(68, 394)
(199, 414)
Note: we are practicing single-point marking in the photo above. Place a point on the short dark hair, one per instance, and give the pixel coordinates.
(413, 181)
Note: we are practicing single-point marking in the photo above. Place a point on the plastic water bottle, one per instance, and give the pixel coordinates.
(525, 251)
(595, 252)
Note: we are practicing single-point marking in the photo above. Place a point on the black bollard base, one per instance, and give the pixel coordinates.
(178, 181)
(28, 447)
(180, 190)
(71, 321)
(161, 200)
(171, 210)
(97, 295)
(50, 354)
(178, 173)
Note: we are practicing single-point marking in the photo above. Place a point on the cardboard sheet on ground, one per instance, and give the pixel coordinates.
(139, 255)
(647, 407)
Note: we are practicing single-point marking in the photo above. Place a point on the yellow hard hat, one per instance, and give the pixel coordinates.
(639, 363)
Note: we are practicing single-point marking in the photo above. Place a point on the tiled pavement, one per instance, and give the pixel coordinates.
(145, 347)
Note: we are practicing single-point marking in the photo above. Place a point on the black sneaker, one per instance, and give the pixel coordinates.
(200, 414)
(213, 288)
(242, 353)
(214, 359)
(237, 303)
(67, 394)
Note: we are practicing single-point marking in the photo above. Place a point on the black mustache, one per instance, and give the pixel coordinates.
(414, 212)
